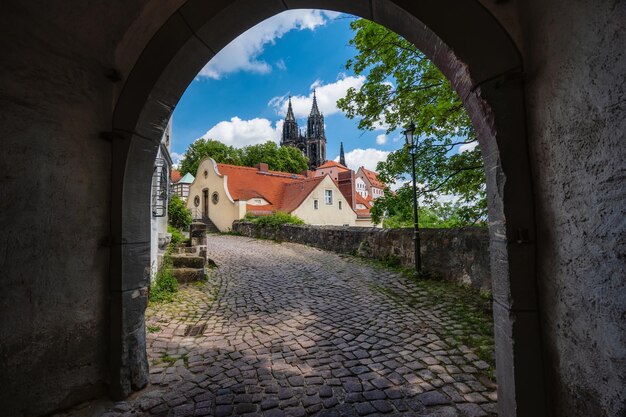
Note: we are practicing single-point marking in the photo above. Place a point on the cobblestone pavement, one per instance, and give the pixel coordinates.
(289, 330)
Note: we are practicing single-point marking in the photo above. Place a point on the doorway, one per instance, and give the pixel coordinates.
(205, 203)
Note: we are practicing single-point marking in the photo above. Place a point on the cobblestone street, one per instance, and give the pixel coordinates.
(289, 330)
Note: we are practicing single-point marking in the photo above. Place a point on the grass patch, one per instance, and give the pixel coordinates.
(165, 285)
(153, 329)
(170, 360)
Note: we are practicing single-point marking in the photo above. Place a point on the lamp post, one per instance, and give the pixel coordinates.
(411, 143)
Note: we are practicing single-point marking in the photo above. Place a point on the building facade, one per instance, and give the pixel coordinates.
(180, 184)
(312, 142)
(368, 185)
(224, 193)
(161, 174)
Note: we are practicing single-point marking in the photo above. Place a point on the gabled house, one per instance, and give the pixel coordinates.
(224, 193)
(331, 168)
(368, 184)
(180, 184)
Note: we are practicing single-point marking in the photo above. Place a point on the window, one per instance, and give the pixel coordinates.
(328, 196)
(315, 204)
(340, 205)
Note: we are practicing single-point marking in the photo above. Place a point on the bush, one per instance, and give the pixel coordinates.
(178, 214)
(177, 236)
(275, 220)
(165, 284)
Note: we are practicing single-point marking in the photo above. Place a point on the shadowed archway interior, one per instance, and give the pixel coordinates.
(484, 67)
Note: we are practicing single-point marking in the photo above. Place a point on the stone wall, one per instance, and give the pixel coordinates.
(458, 255)
(579, 173)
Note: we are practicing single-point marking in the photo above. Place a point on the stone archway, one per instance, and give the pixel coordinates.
(470, 48)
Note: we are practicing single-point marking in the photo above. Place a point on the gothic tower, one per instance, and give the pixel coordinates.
(313, 142)
(290, 128)
(342, 156)
(315, 136)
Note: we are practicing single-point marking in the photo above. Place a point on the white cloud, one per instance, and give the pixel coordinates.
(176, 157)
(239, 133)
(381, 139)
(242, 54)
(468, 147)
(280, 64)
(327, 96)
(367, 158)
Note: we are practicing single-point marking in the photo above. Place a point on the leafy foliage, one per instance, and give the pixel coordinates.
(274, 220)
(286, 159)
(403, 86)
(177, 236)
(165, 285)
(203, 148)
(178, 214)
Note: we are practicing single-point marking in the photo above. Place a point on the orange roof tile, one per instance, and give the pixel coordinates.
(366, 202)
(373, 178)
(295, 193)
(175, 175)
(282, 190)
(333, 164)
(245, 183)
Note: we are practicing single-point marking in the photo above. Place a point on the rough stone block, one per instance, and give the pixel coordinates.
(185, 275)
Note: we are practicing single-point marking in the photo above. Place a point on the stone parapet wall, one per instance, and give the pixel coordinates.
(457, 255)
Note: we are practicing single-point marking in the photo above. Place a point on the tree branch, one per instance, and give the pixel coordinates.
(448, 178)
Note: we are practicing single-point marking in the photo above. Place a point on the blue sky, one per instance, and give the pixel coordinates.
(240, 96)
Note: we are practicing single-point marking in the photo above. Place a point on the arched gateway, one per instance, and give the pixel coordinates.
(469, 46)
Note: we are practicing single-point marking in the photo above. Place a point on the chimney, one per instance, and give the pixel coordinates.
(262, 167)
(347, 185)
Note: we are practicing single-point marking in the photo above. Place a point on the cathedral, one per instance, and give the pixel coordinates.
(313, 142)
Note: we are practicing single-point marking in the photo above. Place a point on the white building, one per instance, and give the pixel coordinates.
(159, 238)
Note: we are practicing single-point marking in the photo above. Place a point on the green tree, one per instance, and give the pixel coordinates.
(204, 148)
(284, 158)
(179, 216)
(402, 86)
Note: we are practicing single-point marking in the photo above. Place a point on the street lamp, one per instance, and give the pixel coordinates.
(411, 143)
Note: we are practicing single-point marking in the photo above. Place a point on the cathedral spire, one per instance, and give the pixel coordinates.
(342, 157)
(291, 132)
(314, 110)
(290, 116)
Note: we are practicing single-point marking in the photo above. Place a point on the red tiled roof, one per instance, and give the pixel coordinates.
(282, 190)
(333, 164)
(372, 177)
(297, 192)
(245, 183)
(175, 175)
(366, 202)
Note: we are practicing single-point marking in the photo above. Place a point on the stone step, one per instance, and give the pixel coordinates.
(186, 249)
(187, 261)
(185, 275)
